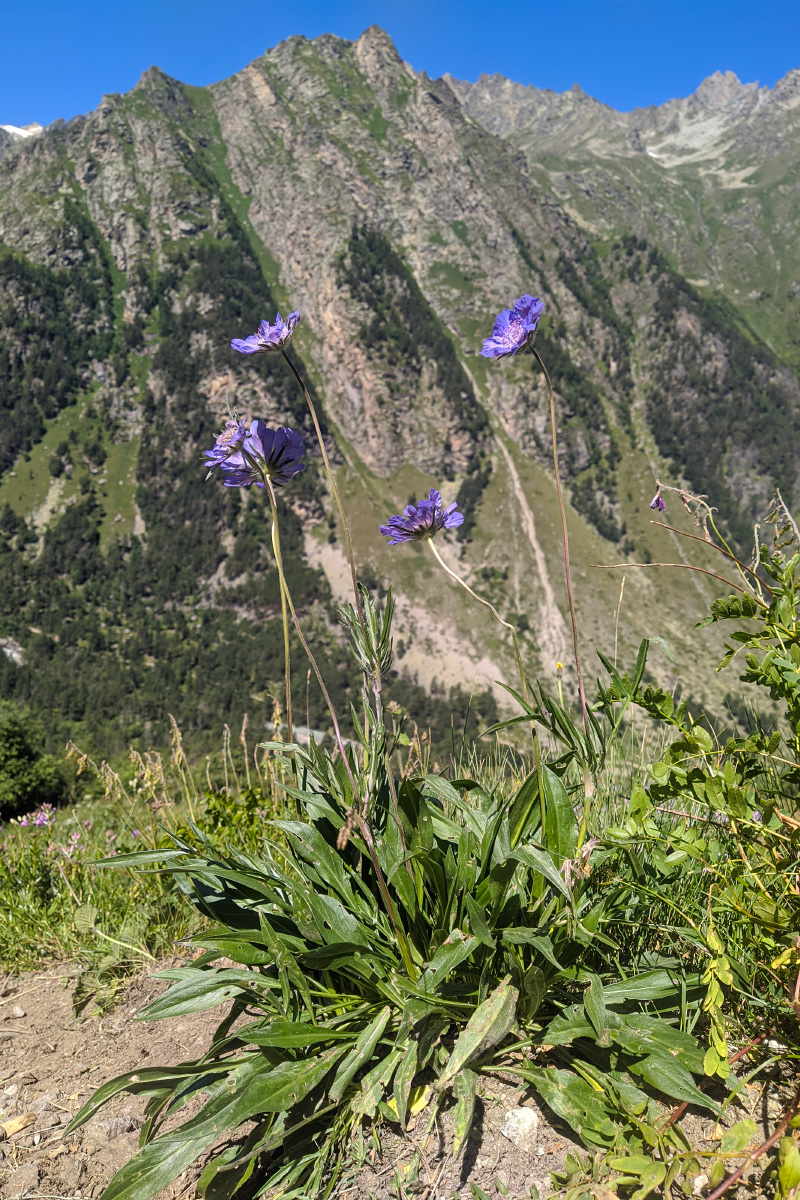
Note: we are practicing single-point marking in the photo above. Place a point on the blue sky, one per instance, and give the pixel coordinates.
(57, 59)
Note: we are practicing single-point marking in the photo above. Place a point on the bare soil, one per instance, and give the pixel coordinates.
(51, 1062)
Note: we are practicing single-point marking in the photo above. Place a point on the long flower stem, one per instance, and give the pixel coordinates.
(492, 610)
(332, 482)
(537, 758)
(287, 670)
(565, 538)
(364, 828)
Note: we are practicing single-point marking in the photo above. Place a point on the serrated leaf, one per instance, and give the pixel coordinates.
(85, 917)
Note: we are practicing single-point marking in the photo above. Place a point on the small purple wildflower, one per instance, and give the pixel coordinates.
(45, 815)
(658, 502)
(268, 337)
(263, 454)
(136, 833)
(514, 328)
(422, 520)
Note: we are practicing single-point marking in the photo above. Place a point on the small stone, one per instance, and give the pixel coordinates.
(700, 1182)
(18, 1012)
(520, 1126)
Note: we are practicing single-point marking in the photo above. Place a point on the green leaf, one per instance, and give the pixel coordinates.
(595, 1006)
(651, 1177)
(464, 1086)
(486, 1028)
(447, 958)
(361, 1053)
(291, 1035)
(652, 985)
(668, 1076)
(404, 1078)
(738, 1136)
(541, 861)
(198, 990)
(334, 922)
(477, 923)
(524, 804)
(572, 1098)
(789, 1170)
(246, 1091)
(561, 828)
(85, 917)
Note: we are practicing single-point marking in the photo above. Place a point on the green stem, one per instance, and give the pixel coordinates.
(565, 539)
(362, 824)
(332, 482)
(492, 610)
(287, 672)
(537, 758)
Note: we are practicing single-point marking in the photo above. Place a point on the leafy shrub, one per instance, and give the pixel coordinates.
(28, 778)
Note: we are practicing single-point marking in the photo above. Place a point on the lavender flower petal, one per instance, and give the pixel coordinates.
(514, 328)
(422, 520)
(269, 338)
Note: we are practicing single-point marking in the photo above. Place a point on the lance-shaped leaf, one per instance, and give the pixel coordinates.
(244, 1093)
(464, 1086)
(360, 1055)
(486, 1028)
(404, 1078)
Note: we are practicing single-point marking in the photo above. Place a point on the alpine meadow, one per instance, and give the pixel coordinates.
(400, 631)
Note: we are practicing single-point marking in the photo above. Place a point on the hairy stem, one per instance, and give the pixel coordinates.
(287, 670)
(537, 758)
(364, 828)
(565, 539)
(332, 482)
(492, 610)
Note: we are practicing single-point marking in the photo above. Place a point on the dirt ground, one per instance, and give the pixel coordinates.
(51, 1062)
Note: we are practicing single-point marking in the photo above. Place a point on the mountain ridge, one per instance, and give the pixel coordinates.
(331, 177)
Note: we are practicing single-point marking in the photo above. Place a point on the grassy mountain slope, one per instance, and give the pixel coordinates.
(329, 176)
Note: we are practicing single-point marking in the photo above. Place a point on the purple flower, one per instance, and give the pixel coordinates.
(263, 454)
(422, 520)
(268, 337)
(658, 502)
(514, 328)
(227, 443)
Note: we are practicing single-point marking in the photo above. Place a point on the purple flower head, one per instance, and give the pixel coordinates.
(422, 520)
(514, 328)
(658, 502)
(263, 454)
(268, 337)
(227, 443)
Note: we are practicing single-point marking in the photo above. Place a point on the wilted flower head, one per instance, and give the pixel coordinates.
(268, 337)
(262, 454)
(658, 502)
(514, 328)
(422, 520)
(227, 443)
